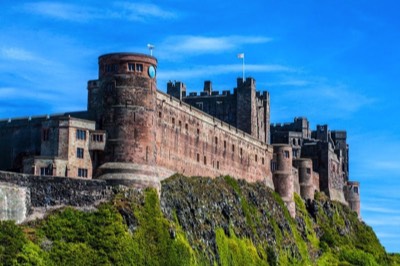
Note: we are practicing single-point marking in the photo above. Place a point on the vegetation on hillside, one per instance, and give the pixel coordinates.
(199, 221)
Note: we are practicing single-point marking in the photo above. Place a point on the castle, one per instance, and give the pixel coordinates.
(136, 135)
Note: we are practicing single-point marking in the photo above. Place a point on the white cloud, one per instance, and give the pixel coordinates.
(61, 11)
(330, 101)
(383, 221)
(19, 54)
(174, 48)
(118, 10)
(214, 70)
(378, 209)
(15, 93)
(140, 11)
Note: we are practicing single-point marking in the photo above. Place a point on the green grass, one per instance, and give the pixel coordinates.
(132, 230)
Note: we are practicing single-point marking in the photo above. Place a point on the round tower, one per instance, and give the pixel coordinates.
(353, 196)
(125, 109)
(304, 167)
(282, 175)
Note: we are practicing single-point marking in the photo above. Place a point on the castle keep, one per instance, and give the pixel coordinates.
(136, 135)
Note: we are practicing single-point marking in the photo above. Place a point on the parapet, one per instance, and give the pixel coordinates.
(127, 63)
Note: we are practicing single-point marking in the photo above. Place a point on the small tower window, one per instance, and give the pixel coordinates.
(45, 134)
(139, 68)
(355, 189)
(287, 154)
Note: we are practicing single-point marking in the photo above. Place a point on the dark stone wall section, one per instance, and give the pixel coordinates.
(47, 191)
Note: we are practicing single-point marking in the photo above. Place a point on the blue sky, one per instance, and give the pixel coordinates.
(335, 62)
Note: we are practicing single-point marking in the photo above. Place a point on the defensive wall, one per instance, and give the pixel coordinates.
(147, 127)
(147, 135)
(25, 197)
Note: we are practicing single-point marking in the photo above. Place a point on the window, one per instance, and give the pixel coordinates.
(131, 67)
(139, 68)
(255, 157)
(355, 189)
(224, 144)
(286, 153)
(233, 148)
(80, 134)
(97, 137)
(205, 160)
(45, 134)
(82, 172)
(173, 121)
(308, 170)
(262, 160)
(273, 166)
(198, 157)
(198, 132)
(216, 141)
(79, 153)
(186, 127)
(241, 152)
(159, 114)
(180, 123)
(45, 171)
(217, 164)
(111, 68)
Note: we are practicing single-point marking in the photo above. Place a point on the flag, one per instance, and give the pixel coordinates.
(241, 56)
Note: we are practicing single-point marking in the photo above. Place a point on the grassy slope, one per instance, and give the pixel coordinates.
(251, 228)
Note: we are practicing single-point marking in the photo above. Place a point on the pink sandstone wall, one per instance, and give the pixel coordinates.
(194, 143)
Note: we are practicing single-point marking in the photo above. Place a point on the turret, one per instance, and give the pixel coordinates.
(128, 87)
(352, 194)
(307, 187)
(282, 175)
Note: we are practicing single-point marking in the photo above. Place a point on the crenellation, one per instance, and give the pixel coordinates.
(135, 135)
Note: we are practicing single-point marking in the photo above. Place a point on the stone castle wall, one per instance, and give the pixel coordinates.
(24, 197)
(194, 143)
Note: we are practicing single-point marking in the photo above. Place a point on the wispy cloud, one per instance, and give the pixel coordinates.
(15, 93)
(141, 11)
(214, 70)
(377, 221)
(327, 100)
(206, 44)
(117, 10)
(379, 209)
(19, 54)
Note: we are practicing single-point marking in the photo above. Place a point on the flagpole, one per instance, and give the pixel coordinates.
(243, 67)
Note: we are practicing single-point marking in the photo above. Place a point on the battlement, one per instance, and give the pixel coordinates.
(135, 135)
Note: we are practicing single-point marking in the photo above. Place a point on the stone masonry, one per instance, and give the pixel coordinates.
(135, 135)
